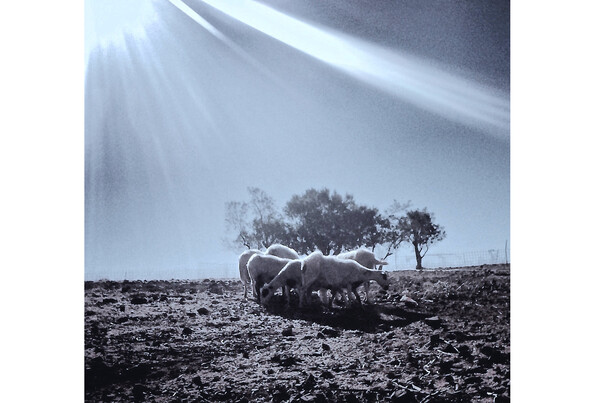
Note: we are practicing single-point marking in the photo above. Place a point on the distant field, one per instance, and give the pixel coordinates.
(167, 341)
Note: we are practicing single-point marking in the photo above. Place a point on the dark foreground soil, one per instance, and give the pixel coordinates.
(435, 336)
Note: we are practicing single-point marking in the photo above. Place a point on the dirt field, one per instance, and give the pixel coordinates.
(435, 336)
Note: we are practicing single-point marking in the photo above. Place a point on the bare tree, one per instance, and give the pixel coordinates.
(268, 226)
(391, 228)
(236, 221)
(256, 223)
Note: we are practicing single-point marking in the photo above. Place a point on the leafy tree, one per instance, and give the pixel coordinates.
(418, 229)
(331, 223)
(320, 219)
(366, 227)
(271, 231)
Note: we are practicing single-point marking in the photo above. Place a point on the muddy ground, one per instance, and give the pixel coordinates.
(434, 336)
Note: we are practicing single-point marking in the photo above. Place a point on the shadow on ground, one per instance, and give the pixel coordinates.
(368, 318)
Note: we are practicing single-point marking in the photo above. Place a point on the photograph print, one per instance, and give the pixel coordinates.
(297, 201)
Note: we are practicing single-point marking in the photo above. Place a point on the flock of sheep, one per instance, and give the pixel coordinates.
(280, 267)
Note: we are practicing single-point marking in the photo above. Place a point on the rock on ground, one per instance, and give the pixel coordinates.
(167, 341)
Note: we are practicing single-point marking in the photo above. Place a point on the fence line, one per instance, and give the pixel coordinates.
(202, 270)
(439, 260)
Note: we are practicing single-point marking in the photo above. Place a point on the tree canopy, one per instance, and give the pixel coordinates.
(329, 222)
(264, 228)
(419, 230)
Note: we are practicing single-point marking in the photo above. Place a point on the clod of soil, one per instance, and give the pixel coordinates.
(451, 345)
(288, 331)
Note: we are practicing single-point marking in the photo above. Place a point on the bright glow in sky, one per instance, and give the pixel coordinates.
(108, 22)
(409, 78)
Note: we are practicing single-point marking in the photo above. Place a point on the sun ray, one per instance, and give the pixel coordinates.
(412, 79)
(109, 22)
(239, 51)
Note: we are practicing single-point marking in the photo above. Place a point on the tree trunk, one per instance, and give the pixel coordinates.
(418, 256)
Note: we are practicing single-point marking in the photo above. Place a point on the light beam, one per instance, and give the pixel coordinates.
(414, 80)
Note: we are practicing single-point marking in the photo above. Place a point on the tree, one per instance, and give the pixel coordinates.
(236, 221)
(265, 226)
(366, 228)
(392, 233)
(268, 226)
(418, 229)
(320, 219)
(331, 223)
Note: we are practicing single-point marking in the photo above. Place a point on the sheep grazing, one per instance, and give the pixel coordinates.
(338, 274)
(310, 266)
(262, 269)
(283, 251)
(367, 259)
(289, 277)
(243, 261)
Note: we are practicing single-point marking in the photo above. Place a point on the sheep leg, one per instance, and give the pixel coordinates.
(345, 297)
(256, 290)
(336, 292)
(323, 295)
(286, 291)
(366, 285)
(357, 295)
(352, 295)
(303, 294)
(339, 295)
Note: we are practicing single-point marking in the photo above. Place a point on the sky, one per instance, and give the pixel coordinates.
(187, 104)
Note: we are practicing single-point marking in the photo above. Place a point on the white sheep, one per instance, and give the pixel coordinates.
(243, 261)
(363, 256)
(289, 277)
(313, 264)
(319, 271)
(262, 269)
(367, 259)
(283, 251)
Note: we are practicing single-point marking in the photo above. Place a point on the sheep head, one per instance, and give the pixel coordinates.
(266, 293)
(385, 281)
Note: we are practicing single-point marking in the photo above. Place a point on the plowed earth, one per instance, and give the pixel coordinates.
(434, 336)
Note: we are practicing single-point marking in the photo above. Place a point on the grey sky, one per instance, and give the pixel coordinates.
(180, 120)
